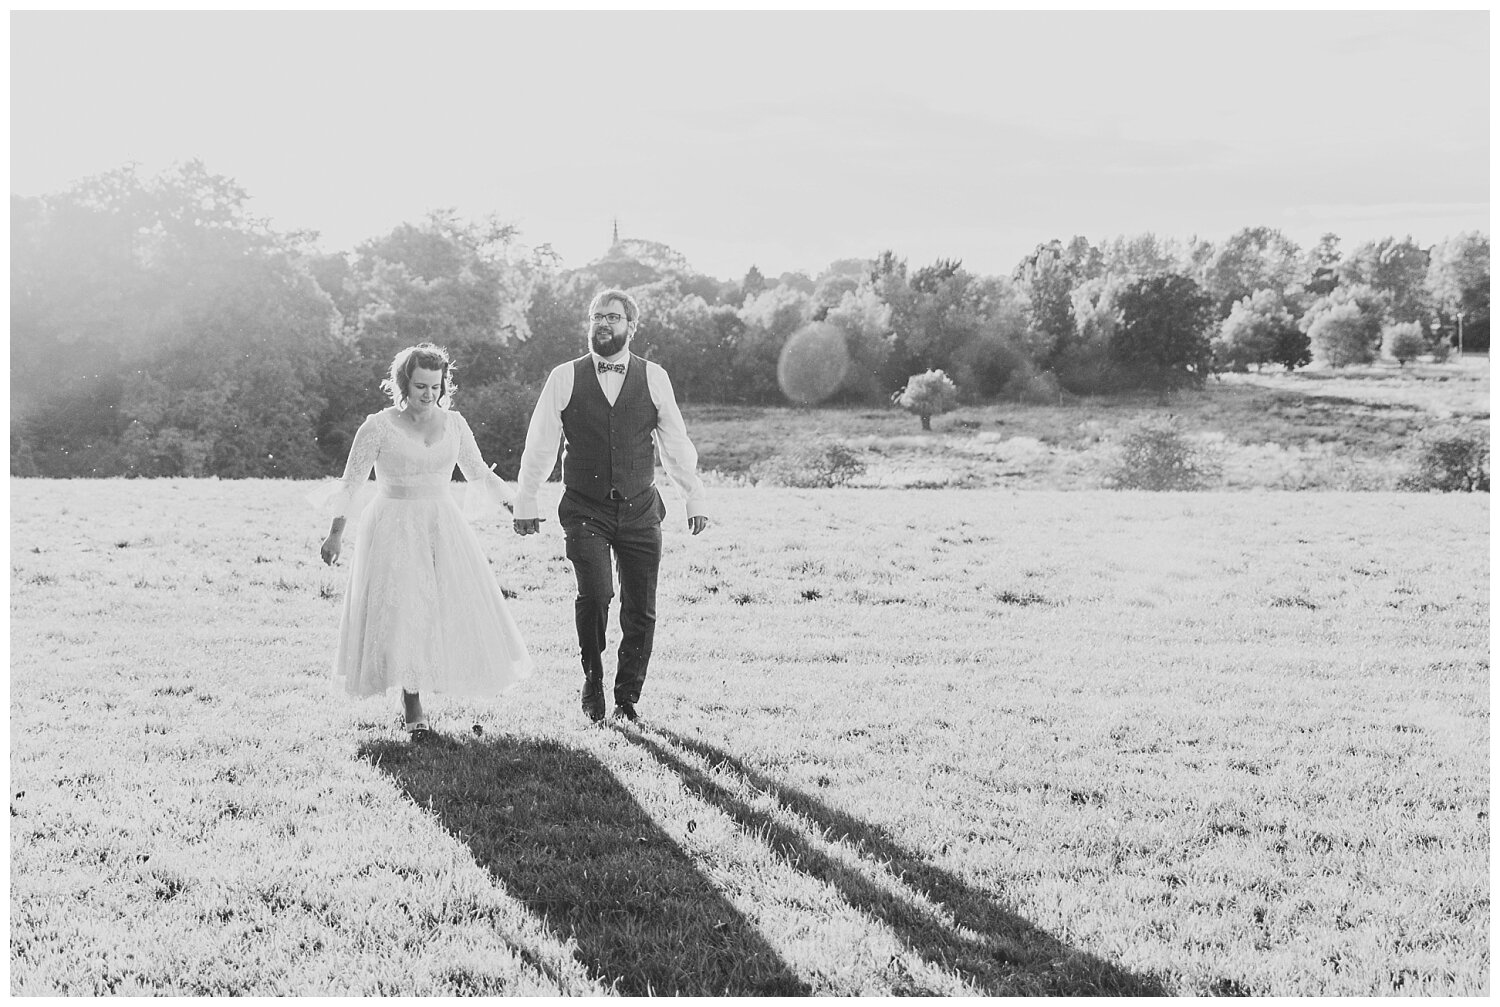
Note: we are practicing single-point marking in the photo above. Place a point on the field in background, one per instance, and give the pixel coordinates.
(1321, 429)
(980, 742)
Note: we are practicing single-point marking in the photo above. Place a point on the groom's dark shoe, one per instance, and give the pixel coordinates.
(626, 711)
(593, 697)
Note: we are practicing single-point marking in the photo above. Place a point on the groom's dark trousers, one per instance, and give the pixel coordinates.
(631, 529)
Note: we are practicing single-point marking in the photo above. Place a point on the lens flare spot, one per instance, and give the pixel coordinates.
(813, 363)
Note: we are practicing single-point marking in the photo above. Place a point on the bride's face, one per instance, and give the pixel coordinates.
(422, 390)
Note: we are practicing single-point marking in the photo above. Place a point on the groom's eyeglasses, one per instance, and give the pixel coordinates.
(613, 318)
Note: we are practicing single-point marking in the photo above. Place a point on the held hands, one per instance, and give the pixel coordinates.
(332, 546)
(530, 526)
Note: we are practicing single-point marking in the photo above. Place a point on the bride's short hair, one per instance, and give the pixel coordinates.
(423, 355)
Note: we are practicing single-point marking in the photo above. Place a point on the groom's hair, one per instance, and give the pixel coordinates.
(603, 297)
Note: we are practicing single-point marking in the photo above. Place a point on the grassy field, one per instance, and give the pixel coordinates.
(1320, 429)
(982, 742)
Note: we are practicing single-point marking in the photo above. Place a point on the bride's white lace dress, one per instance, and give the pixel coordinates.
(423, 610)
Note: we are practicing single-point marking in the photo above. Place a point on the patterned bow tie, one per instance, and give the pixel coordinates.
(606, 368)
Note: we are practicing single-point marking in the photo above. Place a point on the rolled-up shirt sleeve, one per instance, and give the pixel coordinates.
(678, 456)
(542, 439)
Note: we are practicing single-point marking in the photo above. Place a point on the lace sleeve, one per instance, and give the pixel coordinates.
(362, 453)
(487, 491)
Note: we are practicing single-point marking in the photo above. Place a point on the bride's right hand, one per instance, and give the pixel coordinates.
(332, 546)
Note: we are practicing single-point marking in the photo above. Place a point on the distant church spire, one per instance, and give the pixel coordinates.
(617, 231)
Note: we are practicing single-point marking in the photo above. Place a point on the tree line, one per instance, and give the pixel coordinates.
(158, 328)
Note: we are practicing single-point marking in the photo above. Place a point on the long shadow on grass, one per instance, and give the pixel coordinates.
(563, 835)
(935, 913)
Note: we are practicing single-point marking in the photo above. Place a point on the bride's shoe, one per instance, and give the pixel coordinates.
(417, 730)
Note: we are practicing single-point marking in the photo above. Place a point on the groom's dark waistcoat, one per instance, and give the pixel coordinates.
(609, 447)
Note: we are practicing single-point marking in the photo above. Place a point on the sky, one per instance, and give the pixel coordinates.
(781, 140)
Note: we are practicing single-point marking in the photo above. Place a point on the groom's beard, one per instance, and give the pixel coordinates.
(607, 342)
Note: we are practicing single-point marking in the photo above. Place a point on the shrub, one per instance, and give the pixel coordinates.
(1292, 349)
(1156, 456)
(927, 395)
(1403, 341)
(1254, 332)
(818, 465)
(1450, 459)
(1344, 334)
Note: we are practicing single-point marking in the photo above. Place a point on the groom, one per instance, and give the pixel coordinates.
(609, 406)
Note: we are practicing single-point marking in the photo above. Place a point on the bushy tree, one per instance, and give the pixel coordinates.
(993, 360)
(1292, 348)
(943, 317)
(1134, 257)
(185, 323)
(1259, 330)
(635, 262)
(927, 395)
(753, 283)
(1083, 365)
(892, 284)
(1344, 327)
(1396, 268)
(1320, 267)
(831, 291)
(463, 285)
(1403, 341)
(683, 334)
(1458, 283)
(769, 320)
(934, 312)
(555, 324)
(1252, 259)
(1046, 279)
(1343, 335)
(865, 321)
(951, 309)
(798, 281)
(842, 276)
(1162, 339)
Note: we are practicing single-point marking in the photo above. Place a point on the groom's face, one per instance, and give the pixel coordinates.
(606, 335)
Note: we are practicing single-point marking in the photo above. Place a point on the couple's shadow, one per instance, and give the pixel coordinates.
(566, 837)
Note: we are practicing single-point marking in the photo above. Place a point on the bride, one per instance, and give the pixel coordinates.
(422, 610)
